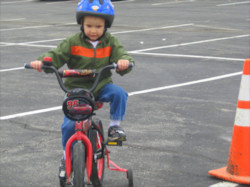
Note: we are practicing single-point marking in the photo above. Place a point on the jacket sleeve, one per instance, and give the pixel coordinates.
(59, 55)
(118, 52)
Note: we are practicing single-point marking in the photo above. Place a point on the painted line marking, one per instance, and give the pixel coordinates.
(237, 3)
(36, 27)
(224, 184)
(58, 2)
(30, 44)
(126, 1)
(154, 28)
(14, 2)
(22, 28)
(186, 84)
(30, 113)
(188, 56)
(215, 27)
(118, 32)
(5, 44)
(130, 94)
(136, 52)
(11, 69)
(193, 43)
(170, 3)
(42, 41)
(17, 19)
(161, 54)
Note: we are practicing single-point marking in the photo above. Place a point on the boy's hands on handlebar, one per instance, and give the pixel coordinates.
(122, 65)
(37, 65)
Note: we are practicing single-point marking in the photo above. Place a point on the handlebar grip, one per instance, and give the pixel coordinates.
(131, 64)
(27, 66)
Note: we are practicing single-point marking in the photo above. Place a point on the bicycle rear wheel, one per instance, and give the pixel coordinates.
(96, 138)
(79, 164)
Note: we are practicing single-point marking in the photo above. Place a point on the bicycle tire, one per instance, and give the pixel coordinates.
(62, 182)
(98, 164)
(130, 178)
(79, 164)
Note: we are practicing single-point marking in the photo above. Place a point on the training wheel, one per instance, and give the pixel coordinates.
(130, 178)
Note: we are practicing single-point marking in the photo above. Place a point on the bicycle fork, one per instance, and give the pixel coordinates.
(79, 136)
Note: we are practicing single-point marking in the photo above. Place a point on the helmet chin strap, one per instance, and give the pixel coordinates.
(82, 29)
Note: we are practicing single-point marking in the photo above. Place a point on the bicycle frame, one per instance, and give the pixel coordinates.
(80, 127)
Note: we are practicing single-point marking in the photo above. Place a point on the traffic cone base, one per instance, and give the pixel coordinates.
(238, 166)
(223, 174)
(239, 154)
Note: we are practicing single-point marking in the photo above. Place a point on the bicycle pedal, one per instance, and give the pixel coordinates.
(114, 143)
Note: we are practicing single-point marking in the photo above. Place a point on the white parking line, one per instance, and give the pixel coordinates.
(130, 94)
(236, 3)
(11, 69)
(37, 27)
(192, 43)
(42, 41)
(30, 113)
(185, 84)
(161, 54)
(5, 44)
(142, 51)
(117, 32)
(224, 184)
(175, 2)
(189, 56)
(57, 2)
(154, 28)
(22, 28)
(16, 19)
(14, 2)
(126, 1)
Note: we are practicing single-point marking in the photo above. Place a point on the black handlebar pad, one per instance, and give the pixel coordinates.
(27, 66)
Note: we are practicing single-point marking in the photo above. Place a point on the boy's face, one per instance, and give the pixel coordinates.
(93, 27)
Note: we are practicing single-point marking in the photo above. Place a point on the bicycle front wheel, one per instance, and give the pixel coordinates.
(79, 164)
(98, 164)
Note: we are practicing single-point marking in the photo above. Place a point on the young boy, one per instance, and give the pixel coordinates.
(93, 48)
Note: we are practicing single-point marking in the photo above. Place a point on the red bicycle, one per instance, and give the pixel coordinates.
(89, 146)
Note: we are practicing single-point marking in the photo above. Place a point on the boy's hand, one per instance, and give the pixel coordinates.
(122, 65)
(37, 65)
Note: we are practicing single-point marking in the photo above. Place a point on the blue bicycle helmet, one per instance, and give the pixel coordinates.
(100, 8)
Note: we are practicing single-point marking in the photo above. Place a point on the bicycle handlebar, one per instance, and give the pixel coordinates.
(59, 79)
(77, 73)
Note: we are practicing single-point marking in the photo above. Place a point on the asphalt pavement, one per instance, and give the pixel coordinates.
(183, 90)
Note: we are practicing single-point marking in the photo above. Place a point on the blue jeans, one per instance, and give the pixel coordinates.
(111, 93)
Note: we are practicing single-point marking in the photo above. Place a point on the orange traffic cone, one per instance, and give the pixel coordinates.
(238, 166)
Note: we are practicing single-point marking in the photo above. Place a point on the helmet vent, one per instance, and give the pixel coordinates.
(101, 1)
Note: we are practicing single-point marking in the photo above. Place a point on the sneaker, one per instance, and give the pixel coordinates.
(116, 133)
(62, 171)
